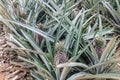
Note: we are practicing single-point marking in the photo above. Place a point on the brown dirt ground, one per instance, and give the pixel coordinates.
(3, 71)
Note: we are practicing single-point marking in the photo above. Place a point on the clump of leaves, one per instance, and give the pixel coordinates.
(47, 22)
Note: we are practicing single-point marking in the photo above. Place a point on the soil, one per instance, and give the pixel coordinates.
(3, 73)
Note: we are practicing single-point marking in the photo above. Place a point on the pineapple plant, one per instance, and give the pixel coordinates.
(10, 70)
(100, 69)
(60, 56)
(36, 33)
(99, 45)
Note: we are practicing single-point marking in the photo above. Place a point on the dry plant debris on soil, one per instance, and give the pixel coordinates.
(8, 71)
